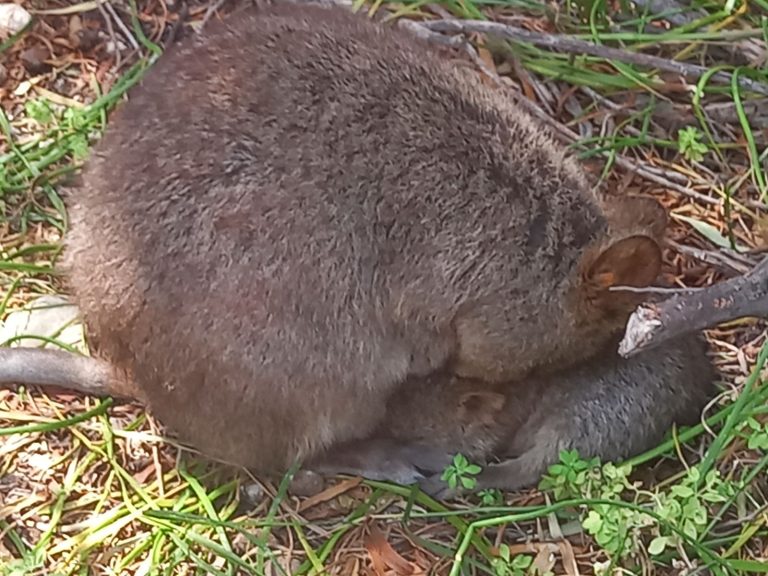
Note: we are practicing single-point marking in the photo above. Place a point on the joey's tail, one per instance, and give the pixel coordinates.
(45, 367)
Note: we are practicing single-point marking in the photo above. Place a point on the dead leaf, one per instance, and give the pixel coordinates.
(545, 559)
(383, 555)
(142, 475)
(75, 26)
(762, 231)
(524, 548)
(487, 58)
(329, 493)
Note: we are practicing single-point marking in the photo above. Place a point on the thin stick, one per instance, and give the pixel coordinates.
(559, 131)
(106, 6)
(654, 290)
(570, 45)
(673, 11)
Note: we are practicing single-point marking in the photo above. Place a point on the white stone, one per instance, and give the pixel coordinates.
(49, 316)
(12, 19)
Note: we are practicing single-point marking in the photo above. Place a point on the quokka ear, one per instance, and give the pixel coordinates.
(639, 213)
(480, 406)
(633, 261)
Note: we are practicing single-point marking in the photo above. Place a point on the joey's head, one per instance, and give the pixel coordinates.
(480, 417)
(477, 405)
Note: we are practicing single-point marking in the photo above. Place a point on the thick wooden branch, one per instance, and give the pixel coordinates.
(653, 324)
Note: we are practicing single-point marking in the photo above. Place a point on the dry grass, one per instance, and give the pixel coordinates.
(88, 486)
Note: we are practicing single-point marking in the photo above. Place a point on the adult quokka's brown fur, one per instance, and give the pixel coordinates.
(299, 210)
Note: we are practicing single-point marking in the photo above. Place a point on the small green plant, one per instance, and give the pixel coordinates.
(40, 111)
(76, 124)
(491, 497)
(461, 472)
(616, 529)
(619, 530)
(506, 565)
(756, 434)
(568, 478)
(684, 507)
(30, 562)
(71, 126)
(689, 144)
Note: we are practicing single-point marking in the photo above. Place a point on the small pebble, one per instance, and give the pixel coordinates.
(87, 39)
(306, 483)
(252, 493)
(12, 19)
(34, 59)
(49, 316)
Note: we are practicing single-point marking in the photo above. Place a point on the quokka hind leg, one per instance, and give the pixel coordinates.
(383, 459)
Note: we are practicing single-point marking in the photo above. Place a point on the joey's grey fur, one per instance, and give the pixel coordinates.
(300, 210)
(606, 407)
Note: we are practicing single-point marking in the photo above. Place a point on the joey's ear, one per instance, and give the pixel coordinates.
(638, 213)
(633, 261)
(481, 406)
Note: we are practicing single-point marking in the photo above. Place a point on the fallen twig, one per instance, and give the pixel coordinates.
(646, 172)
(671, 11)
(106, 7)
(425, 34)
(561, 132)
(572, 45)
(722, 258)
